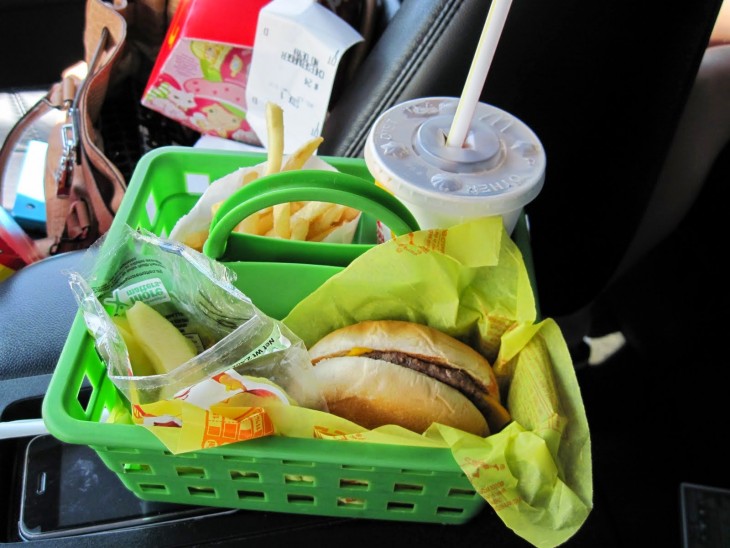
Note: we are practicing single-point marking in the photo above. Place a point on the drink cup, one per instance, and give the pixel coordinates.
(499, 169)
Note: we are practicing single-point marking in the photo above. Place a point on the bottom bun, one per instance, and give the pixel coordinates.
(374, 393)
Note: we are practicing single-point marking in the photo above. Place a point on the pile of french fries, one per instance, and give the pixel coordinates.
(304, 221)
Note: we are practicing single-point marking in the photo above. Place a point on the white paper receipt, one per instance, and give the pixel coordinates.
(298, 47)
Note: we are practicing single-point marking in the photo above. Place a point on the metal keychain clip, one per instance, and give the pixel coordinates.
(64, 171)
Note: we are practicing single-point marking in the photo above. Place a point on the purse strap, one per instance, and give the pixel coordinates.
(104, 42)
(76, 210)
(42, 107)
(33, 115)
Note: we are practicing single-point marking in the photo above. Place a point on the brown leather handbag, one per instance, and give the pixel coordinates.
(83, 187)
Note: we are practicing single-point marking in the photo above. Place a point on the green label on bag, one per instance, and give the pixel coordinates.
(151, 291)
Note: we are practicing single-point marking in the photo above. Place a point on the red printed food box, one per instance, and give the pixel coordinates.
(199, 77)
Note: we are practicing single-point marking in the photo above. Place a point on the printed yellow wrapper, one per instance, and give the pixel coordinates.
(471, 282)
(202, 428)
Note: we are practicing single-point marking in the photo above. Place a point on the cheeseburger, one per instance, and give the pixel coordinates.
(396, 372)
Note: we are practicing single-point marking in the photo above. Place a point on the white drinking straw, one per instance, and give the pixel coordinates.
(488, 41)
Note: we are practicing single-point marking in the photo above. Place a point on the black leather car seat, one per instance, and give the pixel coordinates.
(37, 309)
(605, 105)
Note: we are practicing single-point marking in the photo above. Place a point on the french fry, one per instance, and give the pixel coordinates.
(311, 210)
(303, 221)
(266, 220)
(335, 217)
(282, 220)
(262, 222)
(249, 177)
(299, 228)
(350, 214)
(196, 240)
(250, 225)
(318, 237)
(328, 218)
(274, 137)
(302, 215)
(300, 156)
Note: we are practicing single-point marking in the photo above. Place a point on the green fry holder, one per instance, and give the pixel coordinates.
(304, 185)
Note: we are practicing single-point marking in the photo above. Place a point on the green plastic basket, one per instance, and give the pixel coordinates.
(301, 476)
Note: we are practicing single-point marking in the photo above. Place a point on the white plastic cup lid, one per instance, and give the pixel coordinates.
(500, 168)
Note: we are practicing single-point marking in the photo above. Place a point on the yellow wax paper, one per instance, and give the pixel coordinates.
(471, 282)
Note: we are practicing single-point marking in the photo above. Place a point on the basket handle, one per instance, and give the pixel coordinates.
(305, 185)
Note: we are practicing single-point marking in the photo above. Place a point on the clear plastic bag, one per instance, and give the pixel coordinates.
(197, 295)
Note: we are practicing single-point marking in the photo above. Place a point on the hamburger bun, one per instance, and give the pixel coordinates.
(398, 372)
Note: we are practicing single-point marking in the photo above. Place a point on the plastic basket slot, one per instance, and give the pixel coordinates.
(93, 392)
(156, 488)
(297, 463)
(190, 472)
(86, 397)
(444, 511)
(397, 506)
(239, 458)
(93, 372)
(181, 455)
(197, 183)
(298, 498)
(408, 488)
(299, 479)
(357, 467)
(165, 212)
(123, 450)
(458, 492)
(414, 472)
(351, 503)
(136, 468)
(242, 475)
(201, 491)
(356, 484)
(151, 209)
(251, 495)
